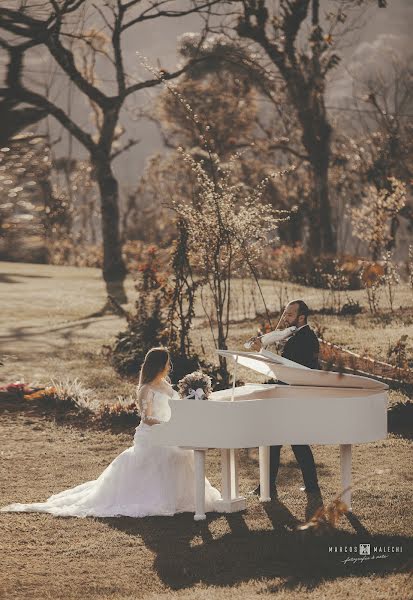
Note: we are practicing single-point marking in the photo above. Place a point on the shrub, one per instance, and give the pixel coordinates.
(283, 263)
(397, 353)
(372, 218)
(372, 276)
(66, 252)
(124, 411)
(152, 323)
(410, 265)
(68, 396)
(135, 253)
(294, 264)
(390, 278)
(400, 417)
(351, 307)
(147, 326)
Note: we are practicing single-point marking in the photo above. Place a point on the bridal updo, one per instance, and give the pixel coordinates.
(155, 362)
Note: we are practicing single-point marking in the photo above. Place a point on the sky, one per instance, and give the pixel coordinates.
(381, 33)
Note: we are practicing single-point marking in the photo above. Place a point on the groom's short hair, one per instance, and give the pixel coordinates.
(302, 307)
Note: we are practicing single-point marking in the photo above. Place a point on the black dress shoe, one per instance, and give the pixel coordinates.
(314, 503)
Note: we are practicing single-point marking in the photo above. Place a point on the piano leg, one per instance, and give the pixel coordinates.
(199, 456)
(231, 501)
(234, 473)
(264, 457)
(345, 462)
(226, 474)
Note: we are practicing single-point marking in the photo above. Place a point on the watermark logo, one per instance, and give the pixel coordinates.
(364, 552)
(364, 549)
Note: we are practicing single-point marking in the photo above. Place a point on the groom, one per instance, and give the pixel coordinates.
(303, 348)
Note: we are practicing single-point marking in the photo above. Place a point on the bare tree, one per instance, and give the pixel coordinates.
(384, 100)
(54, 26)
(279, 33)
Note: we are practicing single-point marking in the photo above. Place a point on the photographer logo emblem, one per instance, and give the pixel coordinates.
(364, 550)
(360, 553)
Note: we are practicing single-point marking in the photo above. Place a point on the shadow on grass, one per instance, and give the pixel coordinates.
(187, 553)
(67, 330)
(83, 421)
(400, 419)
(11, 277)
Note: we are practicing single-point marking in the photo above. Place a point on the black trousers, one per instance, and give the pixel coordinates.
(305, 459)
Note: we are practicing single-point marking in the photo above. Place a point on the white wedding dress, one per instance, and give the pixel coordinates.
(143, 480)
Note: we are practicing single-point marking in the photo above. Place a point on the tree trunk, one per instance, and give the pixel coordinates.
(316, 136)
(322, 238)
(114, 269)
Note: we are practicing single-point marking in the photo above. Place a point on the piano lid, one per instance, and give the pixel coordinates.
(275, 366)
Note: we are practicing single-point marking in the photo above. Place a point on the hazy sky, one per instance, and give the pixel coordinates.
(384, 30)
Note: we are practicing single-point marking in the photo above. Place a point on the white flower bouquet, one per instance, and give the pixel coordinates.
(196, 385)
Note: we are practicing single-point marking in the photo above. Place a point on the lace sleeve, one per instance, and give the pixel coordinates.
(145, 400)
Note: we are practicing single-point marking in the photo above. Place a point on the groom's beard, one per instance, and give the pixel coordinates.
(286, 324)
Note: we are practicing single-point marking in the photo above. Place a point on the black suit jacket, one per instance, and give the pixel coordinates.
(303, 348)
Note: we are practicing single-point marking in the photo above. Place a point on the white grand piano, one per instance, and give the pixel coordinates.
(315, 407)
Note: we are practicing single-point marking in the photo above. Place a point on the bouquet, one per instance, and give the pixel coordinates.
(196, 385)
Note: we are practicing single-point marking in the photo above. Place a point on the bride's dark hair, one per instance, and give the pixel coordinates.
(155, 362)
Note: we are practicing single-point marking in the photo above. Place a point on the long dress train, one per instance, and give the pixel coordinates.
(143, 480)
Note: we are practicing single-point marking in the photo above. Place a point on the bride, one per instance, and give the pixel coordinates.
(144, 479)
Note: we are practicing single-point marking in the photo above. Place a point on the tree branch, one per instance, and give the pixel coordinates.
(252, 25)
(127, 146)
(24, 95)
(146, 15)
(294, 13)
(117, 49)
(66, 61)
(289, 149)
(163, 76)
(47, 32)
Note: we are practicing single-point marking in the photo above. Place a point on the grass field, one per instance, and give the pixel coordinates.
(47, 333)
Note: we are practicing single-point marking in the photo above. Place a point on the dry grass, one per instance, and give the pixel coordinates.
(48, 331)
(255, 554)
(258, 552)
